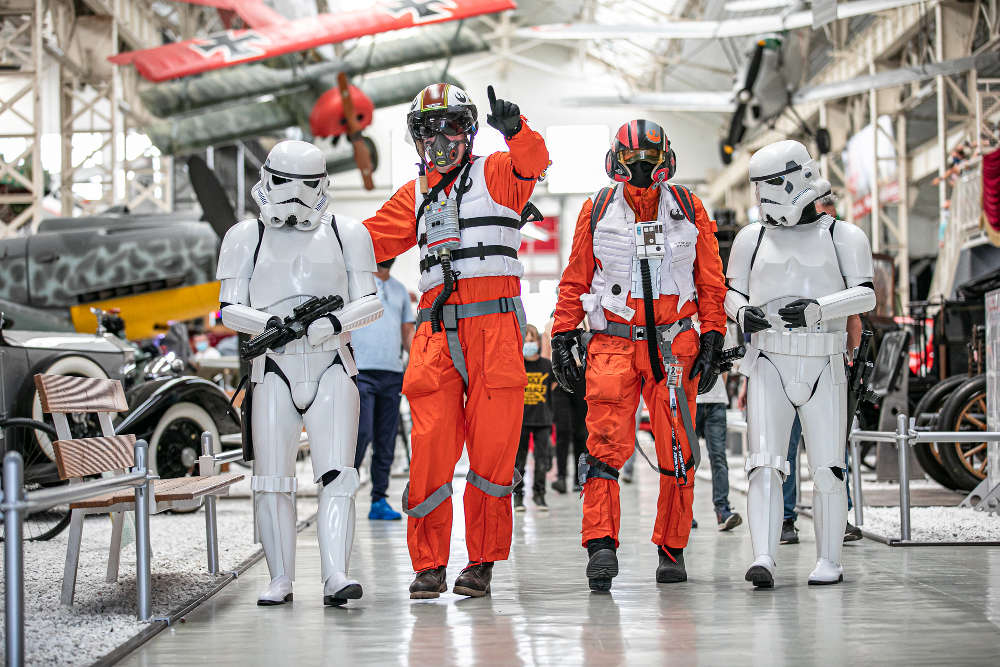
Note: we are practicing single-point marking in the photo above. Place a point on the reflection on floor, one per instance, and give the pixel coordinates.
(897, 606)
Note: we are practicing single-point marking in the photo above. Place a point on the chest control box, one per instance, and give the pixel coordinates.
(443, 231)
(649, 241)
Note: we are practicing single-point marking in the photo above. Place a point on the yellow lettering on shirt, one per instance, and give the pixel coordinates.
(536, 389)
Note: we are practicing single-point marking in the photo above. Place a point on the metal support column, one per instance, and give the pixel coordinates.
(143, 496)
(941, 121)
(13, 558)
(903, 218)
(874, 194)
(903, 454)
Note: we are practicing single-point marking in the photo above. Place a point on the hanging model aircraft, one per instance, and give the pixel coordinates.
(745, 26)
(764, 89)
(269, 34)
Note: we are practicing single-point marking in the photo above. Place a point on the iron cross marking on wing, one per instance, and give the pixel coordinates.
(421, 11)
(231, 45)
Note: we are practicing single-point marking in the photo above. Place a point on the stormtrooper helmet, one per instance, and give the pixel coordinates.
(785, 180)
(292, 187)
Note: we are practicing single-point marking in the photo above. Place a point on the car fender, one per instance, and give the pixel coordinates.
(151, 399)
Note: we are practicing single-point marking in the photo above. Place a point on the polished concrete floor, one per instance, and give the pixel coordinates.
(916, 606)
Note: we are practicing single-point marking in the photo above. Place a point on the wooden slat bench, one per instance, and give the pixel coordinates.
(77, 458)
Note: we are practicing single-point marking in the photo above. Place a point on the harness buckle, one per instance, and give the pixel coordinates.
(638, 332)
(449, 317)
(506, 304)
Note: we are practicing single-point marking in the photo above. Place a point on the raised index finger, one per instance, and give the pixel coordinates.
(491, 96)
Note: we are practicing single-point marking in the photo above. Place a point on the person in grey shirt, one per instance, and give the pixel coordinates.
(378, 352)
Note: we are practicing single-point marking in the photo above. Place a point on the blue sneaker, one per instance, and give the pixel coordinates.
(381, 511)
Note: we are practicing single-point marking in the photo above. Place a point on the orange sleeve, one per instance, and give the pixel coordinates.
(511, 175)
(578, 275)
(394, 227)
(708, 277)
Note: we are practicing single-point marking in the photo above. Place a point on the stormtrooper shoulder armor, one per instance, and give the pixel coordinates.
(853, 253)
(741, 257)
(237, 250)
(359, 253)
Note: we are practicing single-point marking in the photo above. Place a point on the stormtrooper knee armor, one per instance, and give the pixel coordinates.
(794, 278)
(267, 267)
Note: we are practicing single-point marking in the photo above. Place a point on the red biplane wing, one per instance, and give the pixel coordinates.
(240, 46)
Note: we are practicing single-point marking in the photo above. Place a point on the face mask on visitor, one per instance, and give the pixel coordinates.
(530, 349)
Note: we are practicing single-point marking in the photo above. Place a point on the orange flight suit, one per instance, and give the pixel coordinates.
(486, 415)
(618, 370)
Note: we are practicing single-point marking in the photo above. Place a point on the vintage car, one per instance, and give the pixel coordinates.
(167, 409)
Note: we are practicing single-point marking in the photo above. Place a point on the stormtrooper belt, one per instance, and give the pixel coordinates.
(665, 334)
(452, 313)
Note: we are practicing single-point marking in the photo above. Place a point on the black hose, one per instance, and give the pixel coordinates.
(647, 303)
(439, 300)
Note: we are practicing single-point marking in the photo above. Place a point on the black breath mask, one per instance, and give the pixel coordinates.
(642, 174)
(443, 151)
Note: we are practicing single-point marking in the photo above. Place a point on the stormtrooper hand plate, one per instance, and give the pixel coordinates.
(800, 313)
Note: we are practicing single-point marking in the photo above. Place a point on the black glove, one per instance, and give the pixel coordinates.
(564, 366)
(799, 313)
(504, 116)
(754, 320)
(707, 362)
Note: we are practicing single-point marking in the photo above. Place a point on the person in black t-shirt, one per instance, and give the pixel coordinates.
(537, 424)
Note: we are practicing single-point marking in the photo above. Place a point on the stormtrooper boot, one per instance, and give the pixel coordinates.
(764, 513)
(276, 528)
(335, 527)
(829, 519)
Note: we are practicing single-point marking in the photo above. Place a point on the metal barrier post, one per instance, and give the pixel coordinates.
(903, 454)
(13, 558)
(206, 465)
(143, 493)
(859, 498)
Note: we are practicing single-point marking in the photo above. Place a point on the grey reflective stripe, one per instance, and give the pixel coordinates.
(688, 426)
(452, 313)
(429, 504)
(490, 488)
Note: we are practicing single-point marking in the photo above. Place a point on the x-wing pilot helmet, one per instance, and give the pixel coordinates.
(785, 181)
(442, 122)
(292, 187)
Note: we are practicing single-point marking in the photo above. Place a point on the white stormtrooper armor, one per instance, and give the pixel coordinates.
(806, 275)
(266, 268)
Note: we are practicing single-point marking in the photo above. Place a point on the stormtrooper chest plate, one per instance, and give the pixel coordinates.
(293, 265)
(795, 263)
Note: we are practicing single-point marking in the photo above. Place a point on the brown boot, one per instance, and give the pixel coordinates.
(474, 580)
(428, 584)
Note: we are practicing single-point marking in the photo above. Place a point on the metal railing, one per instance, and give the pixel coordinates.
(904, 437)
(17, 504)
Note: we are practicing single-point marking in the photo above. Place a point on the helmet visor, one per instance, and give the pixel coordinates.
(652, 155)
(426, 127)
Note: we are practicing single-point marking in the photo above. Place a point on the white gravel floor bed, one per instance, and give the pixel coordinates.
(935, 524)
(103, 614)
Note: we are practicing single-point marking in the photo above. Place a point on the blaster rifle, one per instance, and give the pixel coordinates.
(727, 357)
(293, 327)
(858, 391)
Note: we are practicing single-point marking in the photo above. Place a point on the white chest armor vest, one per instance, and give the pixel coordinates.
(486, 225)
(617, 274)
(792, 263)
(309, 263)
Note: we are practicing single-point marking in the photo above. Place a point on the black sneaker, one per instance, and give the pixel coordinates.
(603, 564)
(727, 519)
(559, 486)
(671, 569)
(852, 533)
(789, 533)
(518, 502)
(539, 500)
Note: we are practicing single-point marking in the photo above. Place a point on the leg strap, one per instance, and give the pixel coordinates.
(688, 426)
(590, 466)
(765, 460)
(429, 503)
(274, 484)
(491, 488)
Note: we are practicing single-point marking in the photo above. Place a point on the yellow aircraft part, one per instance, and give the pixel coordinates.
(142, 311)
